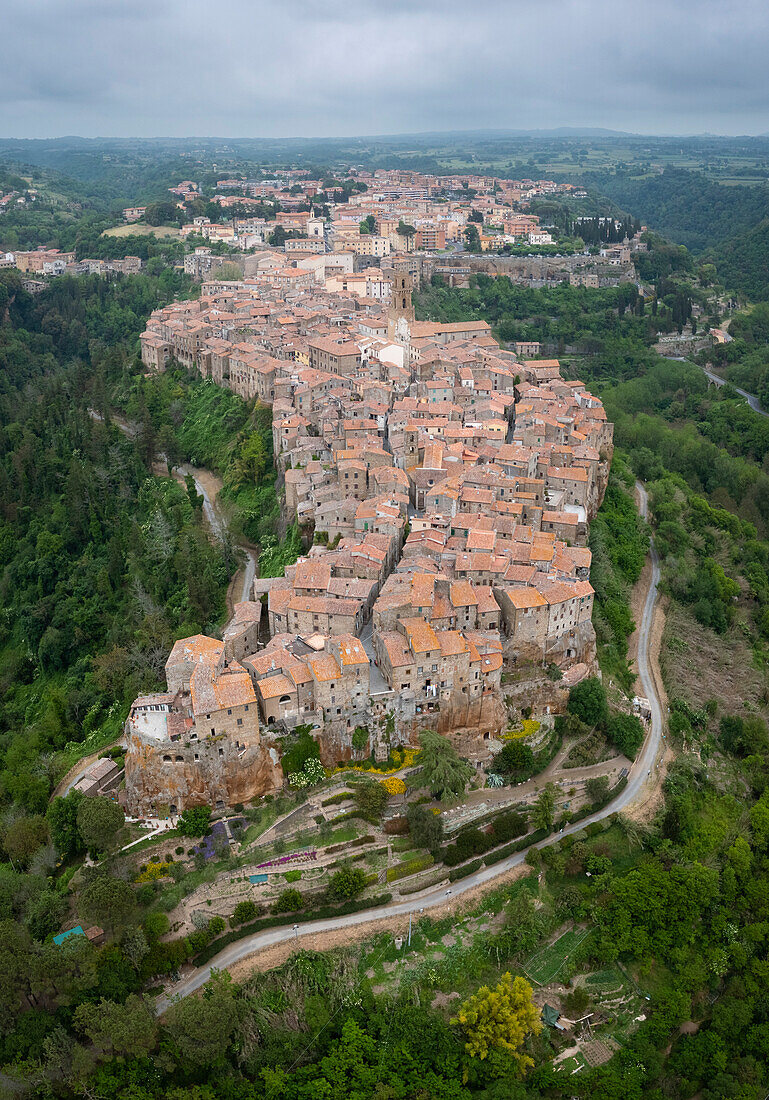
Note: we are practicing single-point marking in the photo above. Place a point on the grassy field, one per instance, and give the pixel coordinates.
(545, 966)
(136, 230)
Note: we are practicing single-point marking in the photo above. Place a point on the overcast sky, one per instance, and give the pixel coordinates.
(283, 68)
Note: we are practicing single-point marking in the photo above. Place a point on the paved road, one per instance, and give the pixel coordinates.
(751, 399)
(437, 896)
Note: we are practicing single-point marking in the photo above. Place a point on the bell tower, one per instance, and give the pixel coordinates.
(401, 308)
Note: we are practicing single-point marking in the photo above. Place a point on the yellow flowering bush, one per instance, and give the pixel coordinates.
(393, 785)
(155, 869)
(528, 727)
(403, 758)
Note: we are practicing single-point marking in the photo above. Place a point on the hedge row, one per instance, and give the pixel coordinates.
(461, 872)
(347, 844)
(342, 796)
(516, 846)
(410, 867)
(323, 912)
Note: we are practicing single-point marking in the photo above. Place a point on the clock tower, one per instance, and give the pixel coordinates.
(401, 312)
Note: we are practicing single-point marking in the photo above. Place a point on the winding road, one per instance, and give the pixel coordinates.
(435, 897)
(751, 399)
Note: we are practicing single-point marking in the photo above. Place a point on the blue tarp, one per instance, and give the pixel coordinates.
(62, 936)
(256, 879)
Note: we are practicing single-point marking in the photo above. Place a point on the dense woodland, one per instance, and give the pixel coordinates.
(103, 565)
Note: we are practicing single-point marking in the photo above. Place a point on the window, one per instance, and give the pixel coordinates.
(221, 752)
(240, 721)
(229, 710)
(246, 707)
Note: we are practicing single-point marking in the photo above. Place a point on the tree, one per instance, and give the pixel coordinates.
(426, 826)
(543, 814)
(134, 946)
(472, 238)
(516, 758)
(127, 1030)
(24, 837)
(289, 901)
(371, 797)
(229, 272)
(500, 1019)
(62, 824)
(587, 700)
(98, 821)
(195, 821)
(597, 788)
(440, 768)
(576, 1002)
(45, 914)
(627, 733)
(368, 225)
(347, 883)
(160, 213)
(200, 1028)
(278, 237)
(106, 901)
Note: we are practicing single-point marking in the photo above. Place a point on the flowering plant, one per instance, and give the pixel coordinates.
(393, 785)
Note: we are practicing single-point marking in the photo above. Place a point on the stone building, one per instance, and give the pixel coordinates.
(199, 742)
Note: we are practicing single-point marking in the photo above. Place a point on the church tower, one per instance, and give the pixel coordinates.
(401, 313)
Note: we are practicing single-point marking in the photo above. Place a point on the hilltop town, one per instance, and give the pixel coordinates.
(446, 486)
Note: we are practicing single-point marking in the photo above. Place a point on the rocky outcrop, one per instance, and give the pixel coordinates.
(167, 777)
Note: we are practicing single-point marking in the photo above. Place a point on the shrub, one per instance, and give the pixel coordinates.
(195, 821)
(180, 851)
(288, 901)
(393, 785)
(410, 867)
(508, 827)
(347, 883)
(293, 876)
(342, 796)
(244, 910)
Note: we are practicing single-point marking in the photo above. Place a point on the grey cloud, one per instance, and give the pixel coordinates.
(329, 67)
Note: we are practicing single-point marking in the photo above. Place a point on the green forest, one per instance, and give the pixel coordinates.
(103, 564)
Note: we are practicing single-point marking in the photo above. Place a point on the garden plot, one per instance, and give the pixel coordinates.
(545, 966)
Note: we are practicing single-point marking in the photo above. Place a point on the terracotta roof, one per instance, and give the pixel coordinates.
(420, 634)
(274, 686)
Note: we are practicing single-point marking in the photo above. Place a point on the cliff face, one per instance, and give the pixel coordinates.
(169, 777)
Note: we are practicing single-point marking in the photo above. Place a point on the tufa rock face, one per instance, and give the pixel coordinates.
(212, 772)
